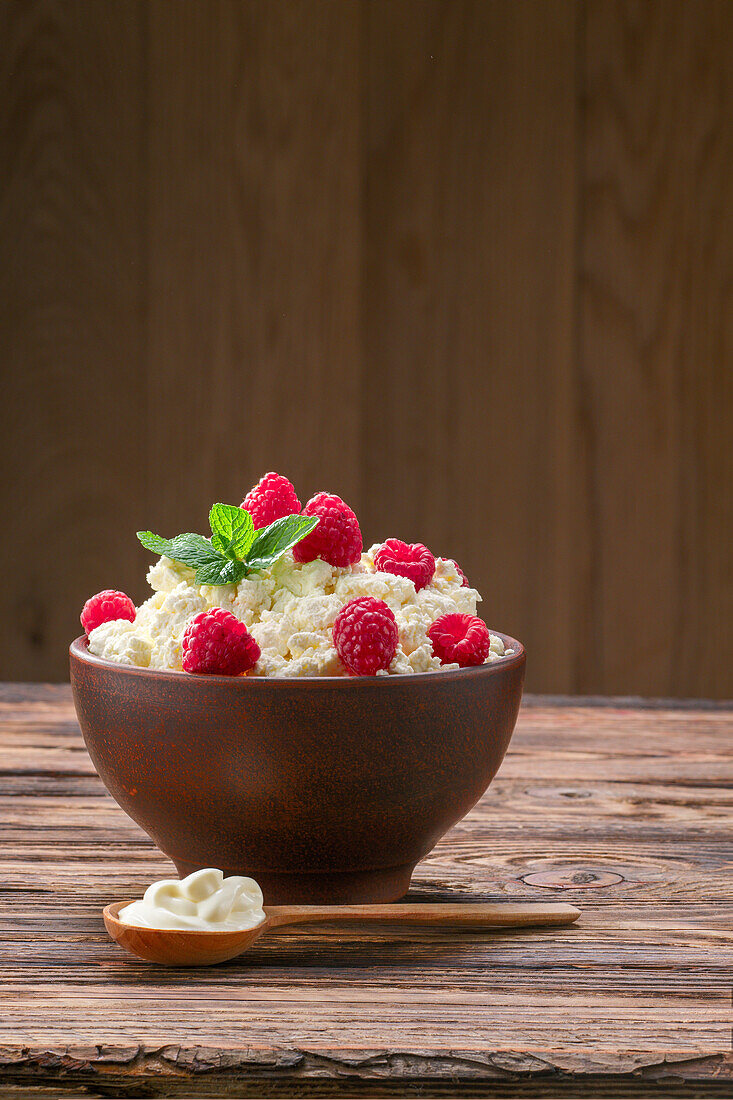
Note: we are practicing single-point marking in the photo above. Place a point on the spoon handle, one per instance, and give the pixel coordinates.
(489, 914)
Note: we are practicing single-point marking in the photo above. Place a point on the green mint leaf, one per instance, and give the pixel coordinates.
(235, 549)
(193, 550)
(232, 530)
(224, 571)
(271, 542)
(153, 542)
(190, 549)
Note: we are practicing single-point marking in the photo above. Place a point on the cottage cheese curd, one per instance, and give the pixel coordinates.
(203, 902)
(290, 610)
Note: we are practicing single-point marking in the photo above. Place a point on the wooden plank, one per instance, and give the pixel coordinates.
(469, 209)
(468, 262)
(72, 288)
(633, 1000)
(656, 348)
(254, 251)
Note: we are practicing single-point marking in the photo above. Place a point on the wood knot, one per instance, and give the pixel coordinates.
(571, 878)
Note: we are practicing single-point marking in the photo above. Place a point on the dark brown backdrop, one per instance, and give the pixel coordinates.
(468, 263)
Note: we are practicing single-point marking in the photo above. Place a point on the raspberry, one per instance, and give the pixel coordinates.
(460, 639)
(411, 560)
(272, 498)
(459, 571)
(336, 538)
(105, 607)
(216, 642)
(365, 636)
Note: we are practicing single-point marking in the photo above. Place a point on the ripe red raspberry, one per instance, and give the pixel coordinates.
(105, 607)
(272, 498)
(459, 571)
(216, 642)
(411, 560)
(336, 538)
(365, 636)
(460, 639)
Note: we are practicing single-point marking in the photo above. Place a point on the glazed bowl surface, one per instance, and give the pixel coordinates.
(325, 790)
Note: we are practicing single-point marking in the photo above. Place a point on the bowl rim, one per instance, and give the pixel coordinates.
(79, 650)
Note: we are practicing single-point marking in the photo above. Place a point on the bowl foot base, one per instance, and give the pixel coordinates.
(327, 888)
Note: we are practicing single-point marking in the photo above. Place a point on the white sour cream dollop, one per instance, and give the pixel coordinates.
(203, 902)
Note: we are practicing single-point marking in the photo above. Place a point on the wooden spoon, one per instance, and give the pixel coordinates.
(173, 947)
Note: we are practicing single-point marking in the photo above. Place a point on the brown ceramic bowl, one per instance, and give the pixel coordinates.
(325, 790)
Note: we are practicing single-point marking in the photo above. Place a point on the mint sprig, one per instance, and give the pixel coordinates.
(235, 548)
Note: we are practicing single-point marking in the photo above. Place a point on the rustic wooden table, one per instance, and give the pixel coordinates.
(623, 810)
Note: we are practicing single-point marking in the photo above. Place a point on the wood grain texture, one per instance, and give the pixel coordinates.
(655, 366)
(468, 300)
(633, 1000)
(72, 340)
(254, 192)
(466, 262)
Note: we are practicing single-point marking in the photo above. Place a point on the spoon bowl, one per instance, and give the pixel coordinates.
(181, 947)
(176, 946)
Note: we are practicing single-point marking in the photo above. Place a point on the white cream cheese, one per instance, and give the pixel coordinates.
(290, 611)
(205, 901)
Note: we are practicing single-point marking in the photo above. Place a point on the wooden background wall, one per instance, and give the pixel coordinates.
(468, 263)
